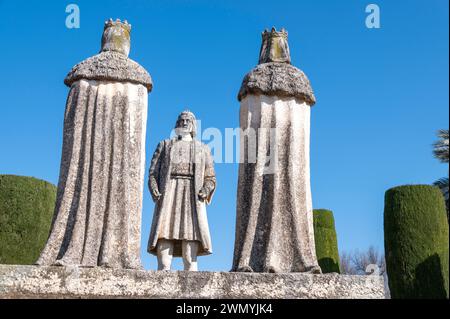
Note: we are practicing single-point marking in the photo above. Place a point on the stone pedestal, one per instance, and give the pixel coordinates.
(91, 283)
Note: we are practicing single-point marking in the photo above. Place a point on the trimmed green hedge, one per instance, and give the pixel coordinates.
(416, 242)
(26, 211)
(326, 241)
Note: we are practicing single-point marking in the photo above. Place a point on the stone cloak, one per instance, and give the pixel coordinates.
(274, 221)
(274, 211)
(97, 219)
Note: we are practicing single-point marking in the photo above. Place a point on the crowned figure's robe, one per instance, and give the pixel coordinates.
(274, 222)
(97, 219)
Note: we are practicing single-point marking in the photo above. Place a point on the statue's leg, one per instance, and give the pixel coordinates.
(190, 250)
(165, 254)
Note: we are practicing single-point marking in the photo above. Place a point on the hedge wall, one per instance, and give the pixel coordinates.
(26, 211)
(416, 242)
(326, 241)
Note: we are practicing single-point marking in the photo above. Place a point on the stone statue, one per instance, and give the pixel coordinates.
(181, 181)
(274, 225)
(97, 220)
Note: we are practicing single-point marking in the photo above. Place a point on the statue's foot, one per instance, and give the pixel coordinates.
(135, 266)
(271, 269)
(316, 270)
(244, 269)
(138, 267)
(65, 263)
(105, 265)
(60, 263)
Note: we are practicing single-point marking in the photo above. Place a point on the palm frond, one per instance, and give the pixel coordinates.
(443, 185)
(441, 147)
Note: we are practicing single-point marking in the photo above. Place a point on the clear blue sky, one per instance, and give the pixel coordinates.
(381, 93)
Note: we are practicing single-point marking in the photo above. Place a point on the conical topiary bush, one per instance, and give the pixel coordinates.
(26, 211)
(416, 242)
(326, 241)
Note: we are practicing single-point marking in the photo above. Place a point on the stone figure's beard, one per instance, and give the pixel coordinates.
(183, 131)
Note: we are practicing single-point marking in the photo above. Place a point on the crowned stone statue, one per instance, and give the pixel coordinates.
(274, 216)
(97, 219)
(181, 181)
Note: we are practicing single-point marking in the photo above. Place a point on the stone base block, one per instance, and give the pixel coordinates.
(75, 282)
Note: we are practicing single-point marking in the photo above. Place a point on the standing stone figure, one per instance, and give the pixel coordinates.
(274, 226)
(97, 220)
(181, 181)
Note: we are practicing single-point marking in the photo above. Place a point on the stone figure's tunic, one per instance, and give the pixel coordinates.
(180, 169)
(274, 225)
(97, 220)
(180, 222)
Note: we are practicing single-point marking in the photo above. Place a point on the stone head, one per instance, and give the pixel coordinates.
(186, 124)
(116, 36)
(275, 47)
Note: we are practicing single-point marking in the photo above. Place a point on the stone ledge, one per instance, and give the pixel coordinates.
(90, 283)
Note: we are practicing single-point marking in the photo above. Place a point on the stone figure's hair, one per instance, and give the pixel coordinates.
(193, 119)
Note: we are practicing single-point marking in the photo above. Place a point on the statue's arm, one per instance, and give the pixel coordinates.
(154, 172)
(209, 183)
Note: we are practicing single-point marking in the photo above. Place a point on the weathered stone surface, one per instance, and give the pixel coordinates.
(74, 282)
(274, 222)
(97, 219)
(279, 79)
(110, 66)
(112, 63)
(116, 36)
(275, 47)
(182, 182)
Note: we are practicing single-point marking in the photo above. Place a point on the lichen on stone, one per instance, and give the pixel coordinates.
(110, 66)
(19, 282)
(279, 79)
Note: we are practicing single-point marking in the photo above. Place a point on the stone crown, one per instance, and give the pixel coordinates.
(112, 63)
(116, 36)
(266, 34)
(118, 24)
(274, 47)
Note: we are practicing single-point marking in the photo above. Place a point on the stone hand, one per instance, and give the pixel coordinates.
(156, 195)
(154, 190)
(202, 194)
